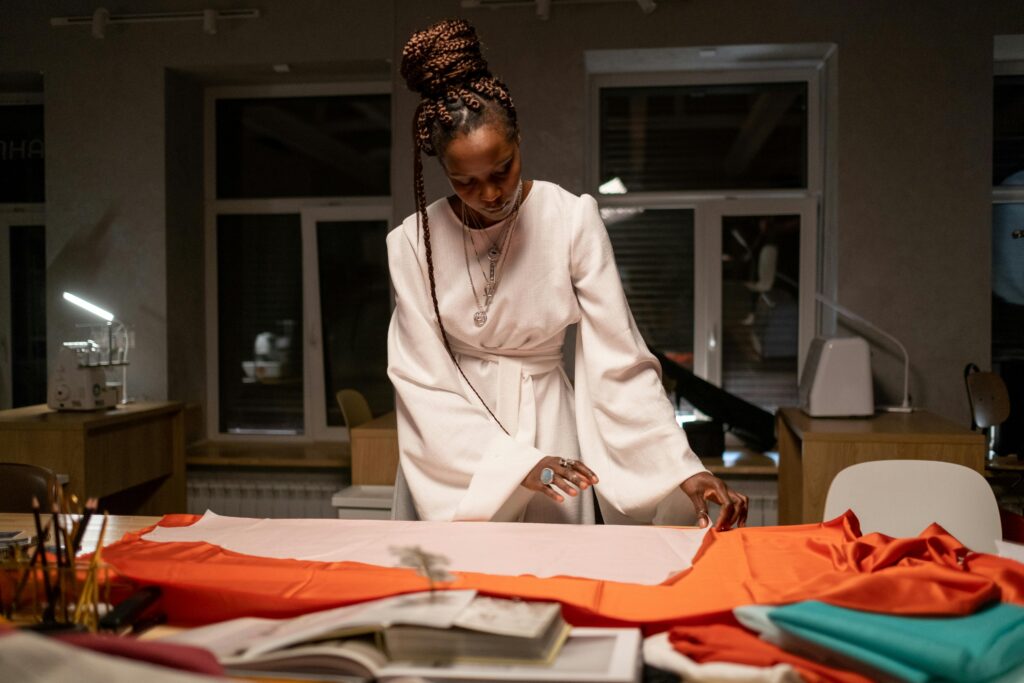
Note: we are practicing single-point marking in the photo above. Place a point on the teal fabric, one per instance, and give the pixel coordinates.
(975, 648)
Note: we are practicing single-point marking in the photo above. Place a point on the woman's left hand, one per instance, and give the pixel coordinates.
(702, 487)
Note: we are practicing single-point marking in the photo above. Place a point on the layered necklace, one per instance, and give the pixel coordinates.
(497, 254)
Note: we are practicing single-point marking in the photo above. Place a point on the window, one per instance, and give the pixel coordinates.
(298, 181)
(710, 183)
(1008, 244)
(705, 137)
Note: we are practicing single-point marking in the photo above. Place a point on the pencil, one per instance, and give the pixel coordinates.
(48, 613)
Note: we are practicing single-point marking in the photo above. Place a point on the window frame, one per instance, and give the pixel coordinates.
(707, 205)
(1007, 194)
(339, 208)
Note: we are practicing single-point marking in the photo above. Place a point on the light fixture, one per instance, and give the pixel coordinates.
(543, 7)
(92, 308)
(101, 18)
(112, 322)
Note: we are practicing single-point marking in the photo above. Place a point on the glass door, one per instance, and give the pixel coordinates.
(22, 309)
(757, 317)
(348, 309)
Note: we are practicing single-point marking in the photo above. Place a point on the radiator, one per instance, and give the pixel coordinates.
(273, 495)
(763, 496)
(290, 496)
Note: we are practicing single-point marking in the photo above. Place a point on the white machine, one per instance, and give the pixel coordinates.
(78, 387)
(836, 381)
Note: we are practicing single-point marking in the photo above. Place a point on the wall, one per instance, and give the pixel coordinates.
(123, 224)
(913, 181)
(913, 147)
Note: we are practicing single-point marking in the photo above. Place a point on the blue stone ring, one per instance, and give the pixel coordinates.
(547, 475)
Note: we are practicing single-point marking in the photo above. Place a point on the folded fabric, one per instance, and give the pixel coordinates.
(757, 619)
(728, 642)
(973, 648)
(658, 651)
(170, 655)
(27, 657)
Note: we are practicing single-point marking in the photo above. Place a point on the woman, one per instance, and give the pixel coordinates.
(486, 283)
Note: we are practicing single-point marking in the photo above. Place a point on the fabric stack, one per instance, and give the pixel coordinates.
(857, 610)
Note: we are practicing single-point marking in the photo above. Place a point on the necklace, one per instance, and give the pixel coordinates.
(496, 256)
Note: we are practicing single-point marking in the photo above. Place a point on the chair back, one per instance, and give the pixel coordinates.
(902, 497)
(989, 399)
(20, 482)
(354, 407)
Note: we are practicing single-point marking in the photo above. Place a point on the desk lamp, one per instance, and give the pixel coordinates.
(122, 358)
(905, 406)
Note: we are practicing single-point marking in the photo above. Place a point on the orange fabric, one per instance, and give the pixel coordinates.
(931, 574)
(730, 642)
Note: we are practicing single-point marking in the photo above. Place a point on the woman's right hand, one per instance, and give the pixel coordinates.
(569, 477)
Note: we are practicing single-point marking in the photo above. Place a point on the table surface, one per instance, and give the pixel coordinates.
(918, 426)
(43, 417)
(117, 526)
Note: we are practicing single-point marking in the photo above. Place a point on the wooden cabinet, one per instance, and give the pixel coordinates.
(813, 450)
(132, 457)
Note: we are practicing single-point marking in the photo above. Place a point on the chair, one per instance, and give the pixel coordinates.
(990, 402)
(354, 407)
(902, 497)
(20, 482)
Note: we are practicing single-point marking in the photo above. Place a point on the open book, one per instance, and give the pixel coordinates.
(450, 634)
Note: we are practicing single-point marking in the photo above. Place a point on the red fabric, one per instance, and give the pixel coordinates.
(170, 655)
(729, 642)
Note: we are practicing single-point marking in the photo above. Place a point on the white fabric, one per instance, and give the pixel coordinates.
(658, 651)
(559, 271)
(630, 554)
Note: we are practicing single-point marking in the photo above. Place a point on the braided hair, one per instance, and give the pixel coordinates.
(458, 94)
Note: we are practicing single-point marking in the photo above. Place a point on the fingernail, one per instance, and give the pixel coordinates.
(703, 522)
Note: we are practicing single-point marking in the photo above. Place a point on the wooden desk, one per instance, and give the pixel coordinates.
(131, 457)
(813, 450)
(375, 450)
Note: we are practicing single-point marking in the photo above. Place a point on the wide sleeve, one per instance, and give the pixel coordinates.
(627, 429)
(458, 463)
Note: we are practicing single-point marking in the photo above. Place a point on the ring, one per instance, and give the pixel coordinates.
(567, 463)
(547, 475)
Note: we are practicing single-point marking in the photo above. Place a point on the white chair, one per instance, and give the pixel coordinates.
(902, 497)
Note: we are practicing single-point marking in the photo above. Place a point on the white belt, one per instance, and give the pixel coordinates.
(511, 371)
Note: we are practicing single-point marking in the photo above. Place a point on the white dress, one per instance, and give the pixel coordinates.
(559, 270)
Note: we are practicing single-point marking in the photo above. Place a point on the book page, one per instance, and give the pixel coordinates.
(340, 657)
(508, 617)
(249, 638)
(590, 655)
(228, 638)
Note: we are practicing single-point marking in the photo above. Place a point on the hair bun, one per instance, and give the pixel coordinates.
(441, 56)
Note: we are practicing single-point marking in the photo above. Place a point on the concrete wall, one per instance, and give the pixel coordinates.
(912, 145)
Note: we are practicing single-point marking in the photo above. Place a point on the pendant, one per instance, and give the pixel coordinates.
(480, 317)
(493, 253)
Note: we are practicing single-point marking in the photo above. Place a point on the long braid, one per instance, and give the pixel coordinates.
(424, 114)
